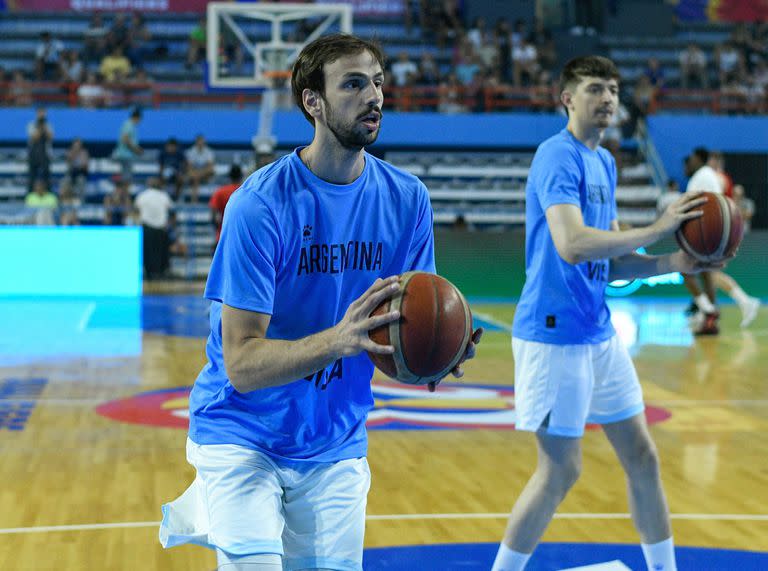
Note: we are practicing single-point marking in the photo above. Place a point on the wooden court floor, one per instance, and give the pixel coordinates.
(91, 404)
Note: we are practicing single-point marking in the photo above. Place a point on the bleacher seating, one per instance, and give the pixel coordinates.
(484, 189)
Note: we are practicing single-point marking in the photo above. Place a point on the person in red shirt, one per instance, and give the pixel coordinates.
(221, 196)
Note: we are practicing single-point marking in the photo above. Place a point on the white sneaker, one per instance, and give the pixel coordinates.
(749, 311)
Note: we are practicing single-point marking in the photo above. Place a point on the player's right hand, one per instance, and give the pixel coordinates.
(352, 330)
(682, 209)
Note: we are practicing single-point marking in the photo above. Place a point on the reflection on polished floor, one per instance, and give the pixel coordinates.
(92, 414)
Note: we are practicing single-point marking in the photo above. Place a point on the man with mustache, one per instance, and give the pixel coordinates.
(570, 367)
(310, 245)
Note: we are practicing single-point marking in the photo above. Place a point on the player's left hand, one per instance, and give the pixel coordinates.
(458, 372)
(687, 264)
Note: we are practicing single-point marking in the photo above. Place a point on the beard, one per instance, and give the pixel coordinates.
(351, 135)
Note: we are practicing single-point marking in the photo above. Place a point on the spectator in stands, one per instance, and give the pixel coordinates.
(154, 209)
(19, 90)
(642, 97)
(428, 71)
(118, 34)
(404, 71)
(742, 40)
(139, 40)
(448, 21)
(172, 166)
(91, 92)
(218, 201)
(197, 39)
(525, 63)
(503, 36)
(450, 95)
(519, 33)
(39, 149)
(654, 72)
(200, 165)
(44, 202)
(47, 57)
(760, 75)
(71, 68)
(546, 48)
(78, 159)
(118, 205)
(477, 33)
(69, 203)
(115, 67)
(729, 62)
(466, 63)
(693, 67)
(128, 150)
(95, 39)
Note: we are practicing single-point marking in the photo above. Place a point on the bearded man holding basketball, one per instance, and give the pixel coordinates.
(310, 245)
(570, 367)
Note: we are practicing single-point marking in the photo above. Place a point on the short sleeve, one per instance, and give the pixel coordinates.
(245, 266)
(614, 183)
(557, 173)
(421, 255)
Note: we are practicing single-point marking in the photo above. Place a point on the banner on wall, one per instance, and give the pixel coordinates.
(104, 5)
(722, 10)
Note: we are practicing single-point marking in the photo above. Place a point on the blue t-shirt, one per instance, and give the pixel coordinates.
(302, 250)
(561, 303)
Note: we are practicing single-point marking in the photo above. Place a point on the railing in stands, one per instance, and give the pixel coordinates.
(453, 98)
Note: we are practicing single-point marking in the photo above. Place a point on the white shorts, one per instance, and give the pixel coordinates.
(242, 503)
(560, 388)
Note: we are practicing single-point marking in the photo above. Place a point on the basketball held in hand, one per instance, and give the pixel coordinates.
(432, 333)
(716, 234)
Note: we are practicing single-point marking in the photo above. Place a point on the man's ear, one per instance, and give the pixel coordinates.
(565, 98)
(311, 100)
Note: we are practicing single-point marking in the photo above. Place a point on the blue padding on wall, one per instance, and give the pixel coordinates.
(67, 261)
(231, 127)
(675, 136)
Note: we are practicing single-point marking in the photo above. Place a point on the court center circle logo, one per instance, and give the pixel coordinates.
(397, 406)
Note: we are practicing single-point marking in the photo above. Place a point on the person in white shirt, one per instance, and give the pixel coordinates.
(693, 66)
(705, 320)
(154, 209)
(47, 57)
(404, 70)
(200, 165)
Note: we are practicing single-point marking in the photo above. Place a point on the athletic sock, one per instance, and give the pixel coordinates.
(739, 296)
(660, 556)
(509, 560)
(704, 304)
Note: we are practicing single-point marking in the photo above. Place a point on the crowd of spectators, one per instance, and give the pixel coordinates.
(499, 65)
(105, 72)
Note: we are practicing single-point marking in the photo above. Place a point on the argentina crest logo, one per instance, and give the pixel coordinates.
(454, 406)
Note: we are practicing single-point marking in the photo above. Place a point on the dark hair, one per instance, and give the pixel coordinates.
(587, 66)
(702, 154)
(308, 70)
(235, 173)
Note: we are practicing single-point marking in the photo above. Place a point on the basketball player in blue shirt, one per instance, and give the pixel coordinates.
(310, 245)
(570, 367)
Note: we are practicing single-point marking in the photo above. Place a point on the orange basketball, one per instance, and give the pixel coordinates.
(432, 333)
(714, 235)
